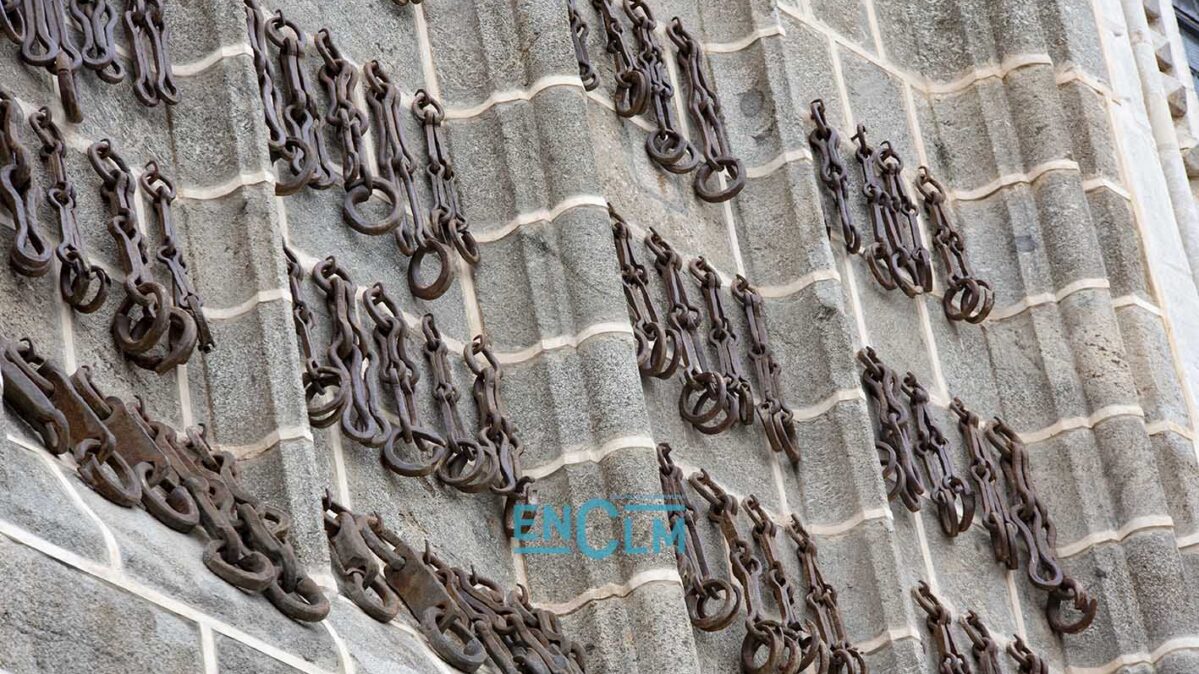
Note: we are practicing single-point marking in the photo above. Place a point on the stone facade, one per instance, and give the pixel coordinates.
(1045, 117)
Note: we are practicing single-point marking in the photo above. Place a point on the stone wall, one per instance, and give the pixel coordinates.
(1033, 111)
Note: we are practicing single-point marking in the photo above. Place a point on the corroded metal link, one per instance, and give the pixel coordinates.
(148, 328)
(896, 259)
(938, 622)
(821, 598)
(578, 35)
(724, 341)
(30, 254)
(12, 20)
(162, 194)
(399, 375)
(667, 146)
(355, 564)
(47, 42)
(1028, 662)
(450, 226)
(826, 146)
(916, 263)
(472, 464)
(631, 97)
(494, 421)
(340, 80)
(892, 439)
(993, 505)
(96, 20)
(658, 352)
(712, 602)
(280, 144)
(153, 81)
(705, 402)
(83, 286)
(777, 418)
(721, 175)
(967, 297)
(983, 647)
(349, 352)
(1039, 534)
(318, 379)
(951, 494)
(27, 393)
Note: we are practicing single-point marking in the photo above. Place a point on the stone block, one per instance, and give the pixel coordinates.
(376, 648)
(1177, 467)
(970, 135)
(234, 657)
(814, 317)
(224, 26)
(1090, 129)
(850, 19)
(1120, 243)
(876, 98)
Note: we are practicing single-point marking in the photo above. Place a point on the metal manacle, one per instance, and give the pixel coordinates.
(631, 97)
(318, 379)
(967, 298)
(938, 623)
(396, 165)
(349, 352)
(785, 653)
(153, 81)
(1029, 662)
(996, 515)
(162, 194)
(918, 263)
(449, 221)
(340, 80)
(826, 146)
(40, 26)
(399, 376)
(666, 146)
(816, 652)
(494, 422)
(983, 647)
(83, 286)
(96, 20)
(471, 465)
(712, 602)
(352, 547)
(148, 328)
(1039, 534)
(724, 342)
(658, 352)
(777, 418)
(892, 438)
(896, 260)
(946, 489)
(578, 35)
(718, 163)
(705, 401)
(30, 254)
(821, 597)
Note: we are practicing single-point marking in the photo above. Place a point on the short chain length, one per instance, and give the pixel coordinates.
(47, 42)
(578, 35)
(631, 97)
(327, 388)
(449, 220)
(951, 494)
(844, 657)
(988, 482)
(724, 342)
(938, 621)
(658, 352)
(494, 421)
(967, 298)
(826, 146)
(777, 418)
(30, 254)
(667, 146)
(892, 438)
(153, 81)
(983, 647)
(96, 20)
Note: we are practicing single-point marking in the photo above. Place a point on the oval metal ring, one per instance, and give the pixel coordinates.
(361, 192)
(445, 275)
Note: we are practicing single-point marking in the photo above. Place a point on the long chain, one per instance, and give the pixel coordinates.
(826, 146)
(666, 146)
(632, 94)
(46, 42)
(724, 341)
(946, 490)
(449, 220)
(996, 516)
(578, 35)
(96, 20)
(777, 418)
(494, 421)
(658, 352)
(938, 622)
(30, 254)
(153, 81)
(844, 657)
(967, 298)
(892, 439)
(318, 380)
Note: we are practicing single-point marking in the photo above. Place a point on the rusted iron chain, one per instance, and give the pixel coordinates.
(450, 226)
(281, 145)
(983, 647)
(821, 597)
(724, 341)
(162, 194)
(12, 20)
(578, 35)
(1039, 534)
(897, 258)
(349, 352)
(667, 146)
(720, 176)
(340, 80)
(658, 352)
(494, 421)
(712, 602)
(399, 376)
(951, 494)
(826, 146)
(96, 20)
(40, 26)
(1028, 662)
(471, 465)
(631, 97)
(318, 379)
(892, 438)
(777, 418)
(148, 328)
(996, 515)
(967, 298)
(705, 401)
(30, 254)
(153, 81)
(354, 561)
(83, 286)
(938, 623)
(779, 648)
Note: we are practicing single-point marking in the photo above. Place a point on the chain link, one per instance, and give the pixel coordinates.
(951, 494)
(938, 622)
(578, 35)
(967, 298)
(30, 254)
(153, 81)
(667, 146)
(777, 418)
(826, 145)
(658, 352)
(892, 439)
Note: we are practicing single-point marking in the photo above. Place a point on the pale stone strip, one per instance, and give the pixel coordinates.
(340, 477)
(515, 95)
(183, 381)
(226, 188)
(1133, 526)
(1027, 178)
(260, 297)
(211, 59)
(849, 524)
(889, 637)
(564, 341)
(799, 284)
(1136, 301)
(343, 653)
(1071, 73)
(1166, 426)
(1075, 423)
(779, 161)
(744, 42)
(995, 71)
(592, 455)
(841, 396)
(1009, 578)
(262, 446)
(426, 51)
(1049, 298)
(1103, 182)
(1188, 541)
(614, 590)
(542, 215)
(1130, 659)
(875, 33)
(638, 121)
(208, 650)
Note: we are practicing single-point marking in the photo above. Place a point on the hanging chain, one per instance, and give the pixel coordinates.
(494, 421)
(578, 35)
(892, 439)
(777, 418)
(894, 261)
(449, 220)
(844, 657)
(1029, 662)
(162, 194)
(718, 160)
(354, 562)
(96, 20)
(910, 256)
(30, 254)
(631, 97)
(658, 352)
(666, 146)
(996, 516)
(724, 341)
(946, 490)
(983, 647)
(967, 298)
(78, 279)
(938, 622)
(46, 42)
(826, 146)
(318, 379)
(280, 144)
(153, 81)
